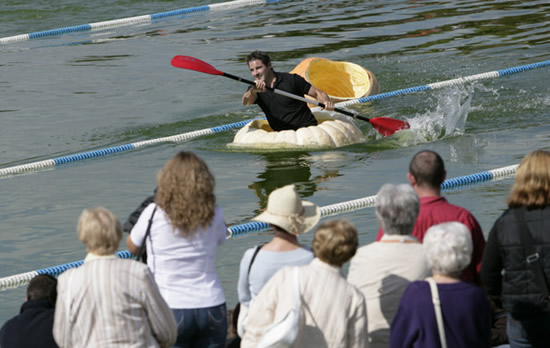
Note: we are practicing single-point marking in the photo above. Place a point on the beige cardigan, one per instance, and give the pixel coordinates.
(382, 271)
(334, 311)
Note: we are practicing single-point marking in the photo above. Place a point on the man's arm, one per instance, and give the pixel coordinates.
(322, 97)
(249, 97)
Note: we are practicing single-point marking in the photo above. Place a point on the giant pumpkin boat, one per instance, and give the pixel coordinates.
(331, 131)
(341, 81)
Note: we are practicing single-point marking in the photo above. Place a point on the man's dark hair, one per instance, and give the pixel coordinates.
(427, 168)
(259, 55)
(42, 287)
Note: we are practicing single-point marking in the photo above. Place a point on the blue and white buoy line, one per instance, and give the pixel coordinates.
(243, 229)
(133, 20)
(448, 83)
(49, 163)
(46, 164)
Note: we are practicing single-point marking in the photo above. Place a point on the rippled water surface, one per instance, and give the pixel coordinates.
(78, 92)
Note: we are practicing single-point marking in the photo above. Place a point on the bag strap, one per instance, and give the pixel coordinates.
(438, 314)
(141, 251)
(533, 258)
(254, 257)
(297, 302)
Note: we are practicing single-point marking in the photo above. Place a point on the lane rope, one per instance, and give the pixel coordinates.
(243, 229)
(447, 83)
(49, 163)
(43, 165)
(133, 20)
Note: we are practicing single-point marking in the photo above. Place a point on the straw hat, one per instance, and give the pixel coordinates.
(286, 210)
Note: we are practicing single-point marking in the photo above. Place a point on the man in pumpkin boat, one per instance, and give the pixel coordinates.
(282, 112)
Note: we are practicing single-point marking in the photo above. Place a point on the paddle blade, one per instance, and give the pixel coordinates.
(190, 63)
(388, 126)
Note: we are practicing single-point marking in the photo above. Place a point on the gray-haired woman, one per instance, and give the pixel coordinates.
(382, 270)
(464, 307)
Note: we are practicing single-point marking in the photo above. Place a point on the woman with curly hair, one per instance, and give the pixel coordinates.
(185, 227)
(514, 277)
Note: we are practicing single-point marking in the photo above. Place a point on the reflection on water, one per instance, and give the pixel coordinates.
(284, 168)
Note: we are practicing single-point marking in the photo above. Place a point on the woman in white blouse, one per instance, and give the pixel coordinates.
(186, 226)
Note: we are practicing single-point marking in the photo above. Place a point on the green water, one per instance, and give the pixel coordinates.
(78, 92)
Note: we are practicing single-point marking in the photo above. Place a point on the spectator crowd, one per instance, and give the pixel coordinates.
(430, 279)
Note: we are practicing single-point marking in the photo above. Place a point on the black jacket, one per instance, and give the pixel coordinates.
(505, 274)
(31, 328)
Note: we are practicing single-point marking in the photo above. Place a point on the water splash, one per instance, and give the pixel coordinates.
(448, 118)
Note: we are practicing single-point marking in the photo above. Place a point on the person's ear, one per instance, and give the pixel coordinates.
(411, 179)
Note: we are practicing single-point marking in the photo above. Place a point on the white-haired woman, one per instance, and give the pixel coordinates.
(465, 310)
(109, 301)
(289, 217)
(333, 311)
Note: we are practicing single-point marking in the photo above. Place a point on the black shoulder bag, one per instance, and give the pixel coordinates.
(533, 258)
(237, 310)
(142, 255)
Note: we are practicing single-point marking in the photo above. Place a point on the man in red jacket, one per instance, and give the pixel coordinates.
(426, 174)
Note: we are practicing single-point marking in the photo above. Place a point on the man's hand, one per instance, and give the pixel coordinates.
(329, 105)
(260, 86)
(321, 97)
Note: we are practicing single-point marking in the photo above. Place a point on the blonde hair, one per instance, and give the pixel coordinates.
(185, 191)
(532, 185)
(99, 230)
(335, 242)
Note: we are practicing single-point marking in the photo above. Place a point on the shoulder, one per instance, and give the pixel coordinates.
(149, 209)
(465, 213)
(416, 288)
(365, 252)
(503, 222)
(218, 212)
(506, 216)
(471, 288)
(304, 251)
(131, 269)
(284, 76)
(247, 256)
(248, 253)
(218, 219)
(66, 274)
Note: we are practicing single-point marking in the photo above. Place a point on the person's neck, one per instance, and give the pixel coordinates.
(445, 279)
(282, 242)
(270, 79)
(426, 191)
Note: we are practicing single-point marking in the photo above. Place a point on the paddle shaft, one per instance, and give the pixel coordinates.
(297, 97)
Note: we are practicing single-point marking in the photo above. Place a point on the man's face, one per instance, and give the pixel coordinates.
(258, 69)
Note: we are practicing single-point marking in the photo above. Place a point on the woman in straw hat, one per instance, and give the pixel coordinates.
(289, 217)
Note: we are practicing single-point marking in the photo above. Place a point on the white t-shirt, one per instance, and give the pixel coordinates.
(183, 267)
